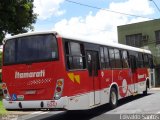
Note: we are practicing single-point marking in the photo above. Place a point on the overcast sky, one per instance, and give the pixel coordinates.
(81, 21)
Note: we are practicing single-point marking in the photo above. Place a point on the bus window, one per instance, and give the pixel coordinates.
(75, 55)
(140, 60)
(30, 49)
(151, 65)
(118, 63)
(125, 62)
(9, 53)
(146, 62)
(133, 62)
(111, 56)
(102, 57)
(106, 57)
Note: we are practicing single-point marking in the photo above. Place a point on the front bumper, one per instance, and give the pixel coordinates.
(37, 104)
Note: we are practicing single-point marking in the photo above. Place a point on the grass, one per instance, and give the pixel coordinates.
(0, 86)
(2, 109)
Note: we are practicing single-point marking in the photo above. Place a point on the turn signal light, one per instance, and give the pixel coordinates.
(59, 83)
(4, 86)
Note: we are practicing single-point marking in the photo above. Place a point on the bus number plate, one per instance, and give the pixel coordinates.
(51, 104)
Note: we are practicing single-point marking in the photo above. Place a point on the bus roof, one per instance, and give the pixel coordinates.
(100, 42)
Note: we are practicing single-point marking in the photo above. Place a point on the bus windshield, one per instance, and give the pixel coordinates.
(30, 49)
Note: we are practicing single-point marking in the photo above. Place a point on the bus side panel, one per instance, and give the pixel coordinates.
(142, 75)
(123, 78)
(79, 82)
(106, 80)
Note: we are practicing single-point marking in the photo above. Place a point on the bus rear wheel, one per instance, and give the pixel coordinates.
(113, 98)
(146, 91)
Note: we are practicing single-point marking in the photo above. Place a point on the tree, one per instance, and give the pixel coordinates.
(16, 16)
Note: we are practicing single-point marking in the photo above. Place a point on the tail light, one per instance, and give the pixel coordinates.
(5, 91)
(59, 89)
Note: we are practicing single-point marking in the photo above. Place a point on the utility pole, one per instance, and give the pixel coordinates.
(155, 5)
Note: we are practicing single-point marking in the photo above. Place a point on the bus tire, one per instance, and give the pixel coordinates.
(113, 98)
(146, 91)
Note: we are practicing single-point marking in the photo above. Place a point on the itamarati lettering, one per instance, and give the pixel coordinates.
(40, 73)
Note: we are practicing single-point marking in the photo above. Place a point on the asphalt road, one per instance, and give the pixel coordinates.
(139, 105)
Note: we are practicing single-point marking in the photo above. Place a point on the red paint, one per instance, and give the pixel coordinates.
(54, 70)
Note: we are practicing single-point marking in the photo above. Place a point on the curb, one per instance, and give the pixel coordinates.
(158, 88)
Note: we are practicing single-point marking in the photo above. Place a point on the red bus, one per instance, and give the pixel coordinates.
(46, 70)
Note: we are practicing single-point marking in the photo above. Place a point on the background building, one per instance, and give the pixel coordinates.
(144, 35)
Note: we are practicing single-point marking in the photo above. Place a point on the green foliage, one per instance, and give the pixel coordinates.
(0, 66)
(0, 78)
(0, 60)
(2, 109)
(16, 17)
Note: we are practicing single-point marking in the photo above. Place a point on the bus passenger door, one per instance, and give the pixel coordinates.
(134, 73)
(93, 66)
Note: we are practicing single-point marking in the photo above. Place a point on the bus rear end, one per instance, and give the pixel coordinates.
(32, 72)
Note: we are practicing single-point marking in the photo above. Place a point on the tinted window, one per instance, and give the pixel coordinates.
(30, 49)
(104, 57)
(151, 64)
(140, 60)
(111, 56)
(75, 48)
(118, 63)
(75, 55)
(9, 52)
(146, 62)
(125, 62)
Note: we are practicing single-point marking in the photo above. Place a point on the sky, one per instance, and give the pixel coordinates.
(81, 21)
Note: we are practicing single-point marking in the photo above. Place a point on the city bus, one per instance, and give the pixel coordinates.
(48, 70)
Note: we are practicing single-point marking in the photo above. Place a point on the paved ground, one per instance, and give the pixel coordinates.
(137, 105)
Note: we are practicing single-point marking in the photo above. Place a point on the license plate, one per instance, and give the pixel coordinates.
(20, 97)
